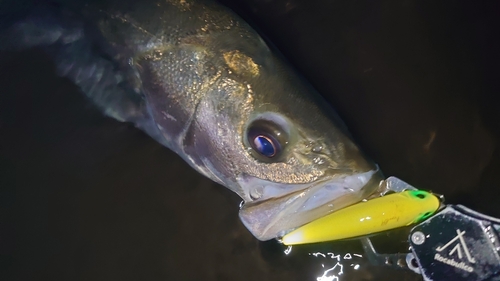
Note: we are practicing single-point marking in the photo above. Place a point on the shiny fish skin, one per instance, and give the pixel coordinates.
(196, 78)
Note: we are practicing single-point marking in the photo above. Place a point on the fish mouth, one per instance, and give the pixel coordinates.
(280, 208)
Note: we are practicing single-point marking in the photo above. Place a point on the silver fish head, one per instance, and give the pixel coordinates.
(237, 113)
(265, 133)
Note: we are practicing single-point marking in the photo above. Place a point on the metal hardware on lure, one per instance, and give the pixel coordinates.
(376, 215)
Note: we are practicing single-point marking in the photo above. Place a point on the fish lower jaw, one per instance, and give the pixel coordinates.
(275, 217)
(326, 192)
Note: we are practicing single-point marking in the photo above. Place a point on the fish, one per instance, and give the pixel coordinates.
(199, 80)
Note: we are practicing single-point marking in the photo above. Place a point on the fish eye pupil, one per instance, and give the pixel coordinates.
(264, 146)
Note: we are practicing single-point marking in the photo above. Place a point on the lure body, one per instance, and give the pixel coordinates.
(376, 215)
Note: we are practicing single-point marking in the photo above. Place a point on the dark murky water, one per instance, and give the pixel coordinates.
(86, 198)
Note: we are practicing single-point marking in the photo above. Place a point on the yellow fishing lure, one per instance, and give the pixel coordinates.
(380, 214)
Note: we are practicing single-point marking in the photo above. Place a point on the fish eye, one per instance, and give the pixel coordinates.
(266, 138)
(265, 145)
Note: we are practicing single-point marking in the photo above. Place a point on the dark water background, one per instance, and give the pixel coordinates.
(83, 197)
